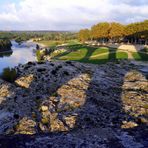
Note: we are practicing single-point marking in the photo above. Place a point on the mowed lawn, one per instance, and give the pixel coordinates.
(83, 53)
(53, 43)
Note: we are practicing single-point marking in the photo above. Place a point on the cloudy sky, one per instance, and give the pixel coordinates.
(68, 14)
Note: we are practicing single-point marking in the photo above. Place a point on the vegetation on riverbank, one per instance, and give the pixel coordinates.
(5, 45)
(55, 37)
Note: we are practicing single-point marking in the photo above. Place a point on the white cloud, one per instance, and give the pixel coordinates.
(69, 14)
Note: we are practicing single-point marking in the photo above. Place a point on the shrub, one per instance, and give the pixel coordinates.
(9, 74)
(39, 56)
(5, 45)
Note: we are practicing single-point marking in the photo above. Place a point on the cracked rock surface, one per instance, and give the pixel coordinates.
(70, 104)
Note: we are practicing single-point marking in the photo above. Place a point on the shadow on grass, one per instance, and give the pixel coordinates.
(105, 56)
(112, 55)
(140, 56)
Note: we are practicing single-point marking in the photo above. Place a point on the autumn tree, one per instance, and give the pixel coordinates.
(84, 35)
(100, 31)
(134, 32)
(116, 31)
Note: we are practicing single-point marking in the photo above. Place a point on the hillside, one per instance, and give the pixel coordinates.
(75, 105)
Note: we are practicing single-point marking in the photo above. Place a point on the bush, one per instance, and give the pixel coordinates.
(5, 45)
(9, 74)
(39, 56)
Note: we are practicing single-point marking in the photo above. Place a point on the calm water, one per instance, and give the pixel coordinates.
(21, 54)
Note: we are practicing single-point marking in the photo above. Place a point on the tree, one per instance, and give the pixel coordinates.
(100, 31)
(117, 31)
(84, 35)
(137, 31)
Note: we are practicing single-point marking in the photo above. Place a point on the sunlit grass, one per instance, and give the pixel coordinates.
(87, 54)
(96, 55)
(52, 43)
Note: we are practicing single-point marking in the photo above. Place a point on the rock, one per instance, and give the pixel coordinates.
(25, 81)
(130, 124)
(71, 100)
(56, 125)
(26, 126)
(70, 121)
(44, 108)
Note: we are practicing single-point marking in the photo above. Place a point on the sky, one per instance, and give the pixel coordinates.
(68, 14)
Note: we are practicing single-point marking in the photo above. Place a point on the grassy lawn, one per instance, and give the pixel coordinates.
(140, 56)
(121, 55)
(83, 53)
(52, 43)
(87, 54)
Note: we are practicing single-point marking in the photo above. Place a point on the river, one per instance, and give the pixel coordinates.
(20, 54)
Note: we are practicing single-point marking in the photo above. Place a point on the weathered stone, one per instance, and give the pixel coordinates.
(76, 98)
(44, 108)
(26, 126)
(130, 124)
(70, 121)
(56, 125)
(25, 81)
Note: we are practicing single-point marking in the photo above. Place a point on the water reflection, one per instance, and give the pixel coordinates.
(21, 54)
(6, 54)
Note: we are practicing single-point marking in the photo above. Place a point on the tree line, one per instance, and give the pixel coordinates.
(20, 36)
(116, 32)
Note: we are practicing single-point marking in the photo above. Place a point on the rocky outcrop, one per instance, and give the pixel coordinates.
(75, 105)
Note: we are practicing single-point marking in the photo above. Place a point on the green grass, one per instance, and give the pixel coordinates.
(121, 55)
(96, 55)
(86, 54)
(52, 43)
(140, 56)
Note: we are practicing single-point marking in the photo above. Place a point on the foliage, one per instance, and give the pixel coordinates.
(21, 36)
(84, 35)
(5, 45)
(9, 74)
(116, 32)
(39, 56)
(100, 30)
